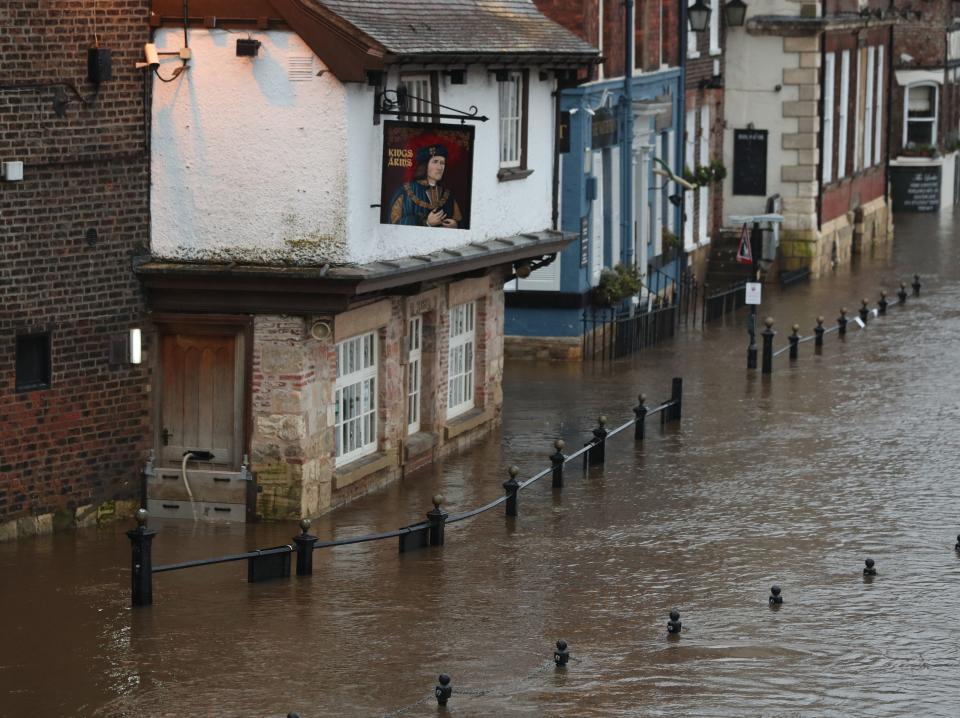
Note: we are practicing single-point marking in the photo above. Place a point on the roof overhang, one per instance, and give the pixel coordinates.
(795, 26)
(251, 289)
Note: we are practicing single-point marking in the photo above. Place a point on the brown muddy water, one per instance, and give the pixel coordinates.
(793, 481)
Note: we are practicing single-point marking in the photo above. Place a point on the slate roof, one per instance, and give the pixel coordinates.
(459, 27)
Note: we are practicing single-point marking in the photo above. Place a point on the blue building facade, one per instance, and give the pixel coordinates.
(546, 311)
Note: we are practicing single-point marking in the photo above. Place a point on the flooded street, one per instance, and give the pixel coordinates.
(793, 480)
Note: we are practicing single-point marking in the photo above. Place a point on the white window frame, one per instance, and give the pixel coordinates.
(418, 85)
(878, 97)
(858, 118)
(703, 226)
(716, 9)
(844, 113)
(690, 130)
(829, 109)
(868, 110)
(511, 120)
(932, 120)
(692, 52)
(414, 372)
(461, 359)
(357, 367)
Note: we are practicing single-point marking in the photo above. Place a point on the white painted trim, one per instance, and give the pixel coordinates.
(868, 110)
(829, 110)
(936, 109)
(844, 114)
(414, 372)
(916, 77)
(461, 358)
(878, 124)
(359, 378)
(703, 223)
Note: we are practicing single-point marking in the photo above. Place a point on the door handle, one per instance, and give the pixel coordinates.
(165, 435)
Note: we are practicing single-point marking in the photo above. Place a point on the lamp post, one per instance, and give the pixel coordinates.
(699, 16)
(735, 13)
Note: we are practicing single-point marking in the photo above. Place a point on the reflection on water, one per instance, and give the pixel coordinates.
(792, 481)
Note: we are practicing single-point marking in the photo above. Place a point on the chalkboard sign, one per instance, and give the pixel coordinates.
(750, 162)
(915, 189)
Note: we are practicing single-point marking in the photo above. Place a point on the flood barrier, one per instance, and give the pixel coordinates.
(274, 563)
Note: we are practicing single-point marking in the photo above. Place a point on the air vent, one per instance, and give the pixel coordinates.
(301, 69)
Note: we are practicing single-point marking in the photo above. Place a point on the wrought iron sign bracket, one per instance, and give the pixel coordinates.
(397, 103)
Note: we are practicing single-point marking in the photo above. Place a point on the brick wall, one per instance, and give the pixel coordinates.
(83, 440)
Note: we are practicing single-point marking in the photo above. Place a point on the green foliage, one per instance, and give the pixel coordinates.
(668, 239)
(616, 285)
(718, 170)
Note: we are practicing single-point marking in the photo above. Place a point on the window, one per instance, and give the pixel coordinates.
(512, 124)
(858, 114)
(829, 83)
(460, 359)
(33, 362)
(414, 344)
(419, 97)
(356, 398)
(705, 162)
(920, 127)
(878, 97)
(868, 110)
(844, 114)
(690, 130)
(717, 9)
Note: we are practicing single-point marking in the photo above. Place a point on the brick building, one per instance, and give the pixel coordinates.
(807, 112)
(608, 192)
(925, 105)
(73, 409)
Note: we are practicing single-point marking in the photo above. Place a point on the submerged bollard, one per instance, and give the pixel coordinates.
(437, 518)
(640, 412)
(902, 294)
(557, 460)
(916, 285)
(141, 561)
(597, 452)
(870, 570)
(864, 311)
(512, 487)
(768, 334)
(444, 690)
(795, 343)
(674, 625)
(882, 304)
(561, 656)
(842, 321)
(775, 598)
(676, 399)
(957, 546)
(818, 332)
(304, 544)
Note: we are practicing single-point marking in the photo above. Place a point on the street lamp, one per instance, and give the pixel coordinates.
(735, 13)
(699, 16)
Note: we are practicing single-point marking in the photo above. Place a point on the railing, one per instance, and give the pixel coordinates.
(274, 562)
(611, 335)
(720, 303)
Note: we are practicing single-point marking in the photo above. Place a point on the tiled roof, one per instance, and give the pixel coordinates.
(457, 27)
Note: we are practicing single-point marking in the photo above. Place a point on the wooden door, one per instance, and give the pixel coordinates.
(200, 398)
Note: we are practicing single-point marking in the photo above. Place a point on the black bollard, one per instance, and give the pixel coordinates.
(557, 460)
(957, 546)
(902, 294)
(292, 715)
(795, 343)
(304, 544)
(512, 487)
(768, 334)
(674, 625)
(598, 449)
(870, 570)
(775, 598)
(444, 690)
(141, 561)
(882, 304)
(640, 412)
(864, 311)
(561, 656)
(437, 519)
(676, 399)
(842, 322)
(818, 332)
(916, 285)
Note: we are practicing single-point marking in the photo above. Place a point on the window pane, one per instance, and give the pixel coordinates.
(920, 102)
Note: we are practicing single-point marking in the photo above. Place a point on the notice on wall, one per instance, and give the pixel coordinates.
(750, 162)
(915, 189)
(753, 292)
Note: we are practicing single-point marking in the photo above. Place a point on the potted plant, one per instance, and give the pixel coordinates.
(718, 171)
(615, 285)
(669, 242)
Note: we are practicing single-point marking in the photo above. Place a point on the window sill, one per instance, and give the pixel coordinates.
(418, 443)
(361, 468)
(716, 51)
(508, 174)
(466, 421)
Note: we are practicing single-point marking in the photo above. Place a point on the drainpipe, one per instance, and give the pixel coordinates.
(681, 145)
(627, 239)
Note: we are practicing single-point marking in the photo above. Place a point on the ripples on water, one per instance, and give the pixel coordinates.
(791, 481)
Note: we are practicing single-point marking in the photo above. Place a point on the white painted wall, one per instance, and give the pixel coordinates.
(251, 166)
(755, 66)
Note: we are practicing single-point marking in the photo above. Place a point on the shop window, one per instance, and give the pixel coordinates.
(414, 373)
(920, 125)
(33, 362)
(460, 359)
(356, 398)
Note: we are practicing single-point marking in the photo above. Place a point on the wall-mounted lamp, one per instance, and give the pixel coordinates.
(136, 355)
(247, 47)
(698, 15)
(151, 57)
(735, 13)
(522, 269)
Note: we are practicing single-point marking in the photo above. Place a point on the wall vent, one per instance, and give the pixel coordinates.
(300, 69)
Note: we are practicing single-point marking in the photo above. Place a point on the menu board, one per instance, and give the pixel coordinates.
(916, 189)
(750, 162)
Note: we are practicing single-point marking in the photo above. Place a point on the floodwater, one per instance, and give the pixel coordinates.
(793, 480)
